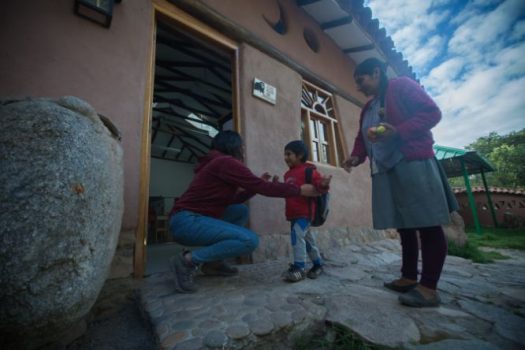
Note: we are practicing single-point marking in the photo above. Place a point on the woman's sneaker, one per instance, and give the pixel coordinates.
(314, 272)
(294, 274)
(218, 268)
(183, 273)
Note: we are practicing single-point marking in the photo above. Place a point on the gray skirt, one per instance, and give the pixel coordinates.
(412, 194)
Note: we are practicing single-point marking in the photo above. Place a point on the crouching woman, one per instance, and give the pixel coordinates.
(210, 214)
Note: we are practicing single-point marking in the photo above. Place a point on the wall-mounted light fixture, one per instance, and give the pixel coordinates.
(99, 11)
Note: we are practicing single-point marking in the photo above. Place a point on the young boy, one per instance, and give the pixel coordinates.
(299, 211)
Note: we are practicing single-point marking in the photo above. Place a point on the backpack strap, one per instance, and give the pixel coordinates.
(308, 172)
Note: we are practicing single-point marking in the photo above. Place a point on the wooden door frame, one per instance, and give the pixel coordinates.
(191, 24)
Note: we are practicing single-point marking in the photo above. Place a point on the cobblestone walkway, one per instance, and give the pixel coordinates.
(483, 305)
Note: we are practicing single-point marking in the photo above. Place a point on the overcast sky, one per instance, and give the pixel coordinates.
(469, 56)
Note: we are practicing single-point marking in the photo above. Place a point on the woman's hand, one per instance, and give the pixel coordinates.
(350, 163)
(266, 176)
(380, 132)
(308, 190)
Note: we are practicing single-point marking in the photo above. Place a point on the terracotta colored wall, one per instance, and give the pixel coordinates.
(354, 190)
(47, 51)
(329, 63)
(267, 128)
(513, 204)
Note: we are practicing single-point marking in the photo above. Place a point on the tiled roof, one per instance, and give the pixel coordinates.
(350, 24)
(363, 15)
(501, 190)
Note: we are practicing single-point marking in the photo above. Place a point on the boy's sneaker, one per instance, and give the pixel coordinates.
(183, 273)
(294, 274)
(315, 272)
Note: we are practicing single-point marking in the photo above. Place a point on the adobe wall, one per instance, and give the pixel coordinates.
(49, 51)
(266, 129)
(245, 20)
(509, 209)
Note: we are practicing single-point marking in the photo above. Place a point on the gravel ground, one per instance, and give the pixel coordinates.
(115, 321)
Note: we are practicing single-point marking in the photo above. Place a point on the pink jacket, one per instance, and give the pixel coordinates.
(413, 113)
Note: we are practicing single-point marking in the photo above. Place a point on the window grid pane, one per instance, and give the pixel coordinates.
(317, 109)
(315, 151)
(326, 154)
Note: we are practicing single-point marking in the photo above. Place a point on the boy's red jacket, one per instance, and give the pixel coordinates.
(297, 206)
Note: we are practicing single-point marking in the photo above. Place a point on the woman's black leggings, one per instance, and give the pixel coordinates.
(433, 251)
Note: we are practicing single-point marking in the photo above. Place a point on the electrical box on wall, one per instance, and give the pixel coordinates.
(264, 91)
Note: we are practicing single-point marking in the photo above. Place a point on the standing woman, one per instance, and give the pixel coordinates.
(409, 190)
(210, 214)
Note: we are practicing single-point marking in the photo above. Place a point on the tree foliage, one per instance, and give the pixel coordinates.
(506, 153)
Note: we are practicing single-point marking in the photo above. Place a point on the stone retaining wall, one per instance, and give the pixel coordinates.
(274, 246)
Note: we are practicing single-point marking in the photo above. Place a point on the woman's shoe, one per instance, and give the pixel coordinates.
(183, 272)
(415, 298)
(400, 285)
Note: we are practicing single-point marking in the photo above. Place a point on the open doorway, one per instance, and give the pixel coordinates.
(192, 101)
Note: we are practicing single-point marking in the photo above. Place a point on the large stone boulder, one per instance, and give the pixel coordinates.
(61, 205)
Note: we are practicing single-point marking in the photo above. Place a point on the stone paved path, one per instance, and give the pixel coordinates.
(483, 305)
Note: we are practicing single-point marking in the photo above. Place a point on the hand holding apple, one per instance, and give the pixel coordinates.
(380, 132)
(371, 133)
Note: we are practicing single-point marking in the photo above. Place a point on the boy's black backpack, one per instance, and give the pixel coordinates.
(322, 207)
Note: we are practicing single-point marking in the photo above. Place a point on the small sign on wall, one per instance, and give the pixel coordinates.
(264, 91)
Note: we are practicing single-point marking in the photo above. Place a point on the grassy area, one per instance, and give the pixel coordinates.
(490, 237)
(498, 237)
(472, 252)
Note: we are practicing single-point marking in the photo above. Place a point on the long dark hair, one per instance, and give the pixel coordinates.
(367, 68)
(228, 142)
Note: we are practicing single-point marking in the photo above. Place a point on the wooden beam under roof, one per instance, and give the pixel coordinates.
(186, 64)
(301, 3)
(173, 160)
(226, 80)
(197, 79)
(359, 48)
(336, 23)
(181, 104)
(188, 92)
(173, 113)
(187, 134)
(202, 46)
(199, 56)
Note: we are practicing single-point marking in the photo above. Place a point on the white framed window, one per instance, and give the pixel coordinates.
(319, 126)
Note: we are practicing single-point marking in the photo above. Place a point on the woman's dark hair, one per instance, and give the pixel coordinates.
(299, 148)
(368, 66)
(228, 142)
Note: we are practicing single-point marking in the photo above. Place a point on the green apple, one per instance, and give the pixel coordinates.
(380, 130)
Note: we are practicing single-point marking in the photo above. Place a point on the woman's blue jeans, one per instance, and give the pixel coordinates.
(219, 239)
